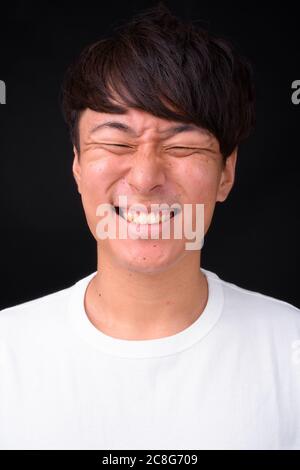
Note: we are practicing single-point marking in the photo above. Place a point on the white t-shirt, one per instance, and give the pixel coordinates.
(231, 380)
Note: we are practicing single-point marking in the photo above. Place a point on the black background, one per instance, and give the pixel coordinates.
(46, 244)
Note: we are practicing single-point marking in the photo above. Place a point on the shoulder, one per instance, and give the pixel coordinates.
(27, 317)
(255, 309)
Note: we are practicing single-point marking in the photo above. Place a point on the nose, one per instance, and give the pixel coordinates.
(147, 171)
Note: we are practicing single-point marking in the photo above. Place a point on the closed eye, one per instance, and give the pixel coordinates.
(193, 149)
(189, 149)
(117, 145)
(182, 148)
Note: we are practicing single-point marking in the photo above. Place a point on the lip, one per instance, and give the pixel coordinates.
(141, 206)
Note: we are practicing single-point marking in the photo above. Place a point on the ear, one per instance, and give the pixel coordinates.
(76, 168)
(227, 176)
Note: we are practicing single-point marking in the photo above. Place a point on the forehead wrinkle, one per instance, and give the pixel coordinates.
(122, 127)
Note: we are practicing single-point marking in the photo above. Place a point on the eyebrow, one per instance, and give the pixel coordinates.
(129, 130)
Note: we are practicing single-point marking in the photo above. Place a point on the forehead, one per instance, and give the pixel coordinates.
(136, 123)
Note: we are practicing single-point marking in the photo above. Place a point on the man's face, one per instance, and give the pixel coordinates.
(143, 159)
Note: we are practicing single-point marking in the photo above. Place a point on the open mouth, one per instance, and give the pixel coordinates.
(146, 219)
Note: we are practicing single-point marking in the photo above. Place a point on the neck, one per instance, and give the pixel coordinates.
(133, 305)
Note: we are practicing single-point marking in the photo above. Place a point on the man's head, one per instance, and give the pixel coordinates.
(155, 73)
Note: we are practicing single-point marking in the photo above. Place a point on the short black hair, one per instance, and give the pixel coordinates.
(171, 68)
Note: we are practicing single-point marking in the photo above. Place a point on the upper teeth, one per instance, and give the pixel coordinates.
(143, 218)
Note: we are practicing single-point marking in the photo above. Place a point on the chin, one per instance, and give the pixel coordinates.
(148, 256)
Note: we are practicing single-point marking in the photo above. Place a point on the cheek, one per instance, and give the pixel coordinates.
(201, 183)
(96, 181)
(96, 178)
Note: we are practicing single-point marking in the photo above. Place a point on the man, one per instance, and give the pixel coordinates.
(151, 351)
